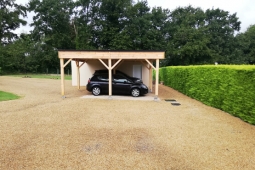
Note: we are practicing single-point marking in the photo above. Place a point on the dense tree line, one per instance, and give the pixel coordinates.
(188, 35)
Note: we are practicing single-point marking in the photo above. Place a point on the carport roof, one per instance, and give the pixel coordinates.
(111, 54)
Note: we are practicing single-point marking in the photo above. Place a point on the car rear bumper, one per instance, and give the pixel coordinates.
(88, 87)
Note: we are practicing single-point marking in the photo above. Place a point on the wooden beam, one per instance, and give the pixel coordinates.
(78, 63)
(148, 67)
(78, 74)
(150, 79)
(150, 64)
(62, 77)
(112, 54)
(104, 63)
(157, 77)
(110, 76)
(67, 62)
(116, 63)
(82, 63)
(119, 64)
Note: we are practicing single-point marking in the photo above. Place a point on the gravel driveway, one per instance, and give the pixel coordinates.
(43, 131)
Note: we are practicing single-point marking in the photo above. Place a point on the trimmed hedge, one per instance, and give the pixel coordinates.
(229, 88)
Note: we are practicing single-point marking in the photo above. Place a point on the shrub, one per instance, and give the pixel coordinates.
(229, 88)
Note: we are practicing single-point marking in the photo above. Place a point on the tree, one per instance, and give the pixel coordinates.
(200, 37)
(112, 20)
(15, 55)
(84, 23)
(245, 43)
(53, 29)
(10, 20)
(10, 14)
(187, 41)
(126, 34)
(52, 22)
(221, 26)
(144, 29)
(250, 35)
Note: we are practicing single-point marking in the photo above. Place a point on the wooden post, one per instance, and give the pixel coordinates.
(110, 76)
(78, 74)
(157, 77)
(150, 78)
(62, 77)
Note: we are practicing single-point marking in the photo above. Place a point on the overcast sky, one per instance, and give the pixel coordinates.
(245, 9)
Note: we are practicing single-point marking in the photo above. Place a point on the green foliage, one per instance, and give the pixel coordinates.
(221, 26)
(52, 22)
(245, 44)
(200, 37)
(188, 35)
(7, 96)
(229, 88)
(10, 14)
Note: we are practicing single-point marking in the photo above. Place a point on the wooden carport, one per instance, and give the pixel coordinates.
(110, 59)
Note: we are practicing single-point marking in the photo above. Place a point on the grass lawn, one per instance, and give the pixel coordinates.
(43, 76)
(7, 96)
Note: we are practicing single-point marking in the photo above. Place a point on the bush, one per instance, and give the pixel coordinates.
(229, 88)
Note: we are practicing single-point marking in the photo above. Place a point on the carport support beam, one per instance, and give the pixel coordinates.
(110, 76)
(62, 77)
(150, 78)
(157, 77)
(78, 75)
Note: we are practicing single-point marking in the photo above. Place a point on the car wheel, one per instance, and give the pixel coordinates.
(96, 91)
(135, 92)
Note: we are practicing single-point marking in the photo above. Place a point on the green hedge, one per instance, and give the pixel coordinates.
(229, 88)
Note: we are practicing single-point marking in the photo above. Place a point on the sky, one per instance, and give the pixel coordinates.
(245, 9)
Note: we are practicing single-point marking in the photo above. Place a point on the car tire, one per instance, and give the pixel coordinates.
(135, 92)
(96, 91)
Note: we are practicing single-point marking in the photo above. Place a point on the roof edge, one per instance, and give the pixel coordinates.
(112, 50)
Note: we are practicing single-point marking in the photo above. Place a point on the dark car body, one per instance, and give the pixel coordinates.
(99, 84)
(135, 79)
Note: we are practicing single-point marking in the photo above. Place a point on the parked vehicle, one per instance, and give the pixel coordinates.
(135, 79)
(99, 84)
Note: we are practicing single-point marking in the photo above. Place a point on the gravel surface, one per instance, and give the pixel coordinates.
(43, 131)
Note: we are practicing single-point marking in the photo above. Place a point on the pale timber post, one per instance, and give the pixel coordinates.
(110, 76)
(78, 74)
(62, 77)
(157, 77)
(150, 78)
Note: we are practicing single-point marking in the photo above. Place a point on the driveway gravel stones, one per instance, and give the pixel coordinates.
(44, 131)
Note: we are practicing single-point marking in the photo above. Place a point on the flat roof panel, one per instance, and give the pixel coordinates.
(112, 54)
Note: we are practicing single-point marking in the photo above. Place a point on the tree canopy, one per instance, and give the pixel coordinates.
(189, 35)
(10, 20)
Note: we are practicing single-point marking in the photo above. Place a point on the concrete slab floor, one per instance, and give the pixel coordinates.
(147, 97)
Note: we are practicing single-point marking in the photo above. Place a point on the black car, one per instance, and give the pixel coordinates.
(135, 79)
(98, 84)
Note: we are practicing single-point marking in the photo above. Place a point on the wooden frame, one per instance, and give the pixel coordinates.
(82, 56)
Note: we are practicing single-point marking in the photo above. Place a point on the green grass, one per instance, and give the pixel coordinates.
(42, 76)
(7, 96)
